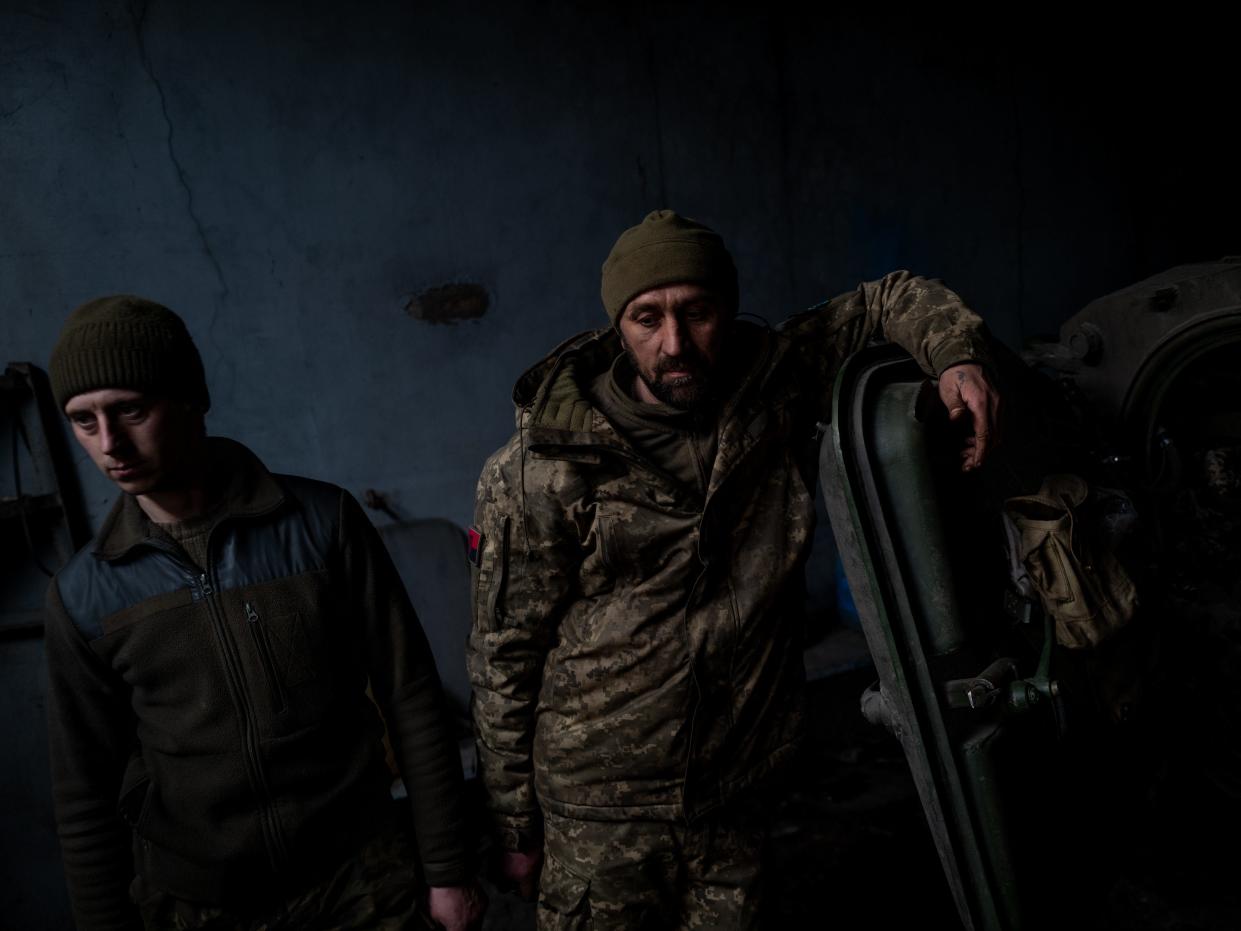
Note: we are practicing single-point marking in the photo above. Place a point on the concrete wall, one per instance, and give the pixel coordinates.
(288, 176)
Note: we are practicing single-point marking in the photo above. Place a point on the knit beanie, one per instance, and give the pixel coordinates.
(664, 249)
(127, 342)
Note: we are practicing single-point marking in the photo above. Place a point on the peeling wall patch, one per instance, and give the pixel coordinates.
(449, 303)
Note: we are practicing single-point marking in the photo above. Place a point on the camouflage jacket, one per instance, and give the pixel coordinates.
(635, 650)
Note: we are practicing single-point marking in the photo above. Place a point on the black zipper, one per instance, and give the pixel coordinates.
(258, 633)
(251, 754)
(204, 589)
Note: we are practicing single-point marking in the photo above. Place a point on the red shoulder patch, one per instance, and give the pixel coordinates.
(474, 546)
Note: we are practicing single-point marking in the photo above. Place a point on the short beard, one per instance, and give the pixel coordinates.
(688, 393)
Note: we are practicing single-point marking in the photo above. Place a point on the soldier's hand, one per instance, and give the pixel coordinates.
(521, 869)
(457, 908)
(965, 389)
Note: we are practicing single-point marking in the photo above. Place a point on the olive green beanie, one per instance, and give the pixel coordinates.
(664, 249)
(127, 342)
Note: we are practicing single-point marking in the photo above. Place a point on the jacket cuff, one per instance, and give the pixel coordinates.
(957, 350)
(448, 874)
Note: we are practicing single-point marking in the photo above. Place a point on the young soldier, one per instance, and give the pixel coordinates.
(215, 757)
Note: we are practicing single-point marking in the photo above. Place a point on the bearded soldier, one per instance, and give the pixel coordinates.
(639, 544)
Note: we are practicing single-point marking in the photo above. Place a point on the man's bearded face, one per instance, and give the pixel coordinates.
(674, 336)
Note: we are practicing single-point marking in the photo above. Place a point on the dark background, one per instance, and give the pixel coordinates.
(288, 176)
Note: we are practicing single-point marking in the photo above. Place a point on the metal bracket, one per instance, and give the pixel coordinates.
(982, 690)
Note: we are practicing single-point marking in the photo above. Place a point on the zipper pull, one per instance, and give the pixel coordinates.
(204, 584)
(251, 615)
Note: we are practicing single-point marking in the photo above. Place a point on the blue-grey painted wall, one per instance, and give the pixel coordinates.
(286, 176)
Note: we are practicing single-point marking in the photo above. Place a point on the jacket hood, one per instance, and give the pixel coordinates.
(554, 389)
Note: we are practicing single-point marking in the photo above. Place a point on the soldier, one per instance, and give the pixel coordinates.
(216, 761)
(639, 544)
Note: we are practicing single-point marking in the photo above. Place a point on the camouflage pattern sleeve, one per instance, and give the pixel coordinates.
(921, 315)
(525, 572)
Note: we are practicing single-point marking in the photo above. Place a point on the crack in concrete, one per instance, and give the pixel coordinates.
(138, 18)
(32, 99)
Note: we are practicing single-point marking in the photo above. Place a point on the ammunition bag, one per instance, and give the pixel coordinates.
(1077, 578)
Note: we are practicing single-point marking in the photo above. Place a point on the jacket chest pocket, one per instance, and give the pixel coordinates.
(283, 655)
(636, 544)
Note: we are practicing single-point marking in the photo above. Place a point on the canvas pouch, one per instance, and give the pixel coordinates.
(1077, 578)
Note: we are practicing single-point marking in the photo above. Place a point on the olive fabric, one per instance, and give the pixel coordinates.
(1078, 579)
(635, 651)
(125, 341)
(194, 533)
(209, 726)
(682, 443)
(655, 875)
(666, 248)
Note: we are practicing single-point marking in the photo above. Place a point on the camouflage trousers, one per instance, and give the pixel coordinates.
(653, 875)
(379, 887)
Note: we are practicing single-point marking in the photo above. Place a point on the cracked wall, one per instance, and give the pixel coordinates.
(287, 177)
(287, 182)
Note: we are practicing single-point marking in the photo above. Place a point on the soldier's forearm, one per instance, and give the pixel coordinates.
(927, 319)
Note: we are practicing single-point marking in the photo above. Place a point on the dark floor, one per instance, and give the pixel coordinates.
(851, 849)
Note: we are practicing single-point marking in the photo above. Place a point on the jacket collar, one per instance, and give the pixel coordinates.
(249, 490)
(560, 421)
(553, 394)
